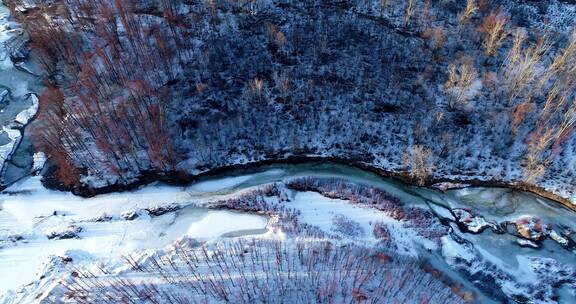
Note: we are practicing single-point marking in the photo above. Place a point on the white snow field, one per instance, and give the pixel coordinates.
(33, 212)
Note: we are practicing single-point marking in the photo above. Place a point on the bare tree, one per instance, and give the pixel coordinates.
(493, 30)
(420, 162)
(469, 10)
(461, 83)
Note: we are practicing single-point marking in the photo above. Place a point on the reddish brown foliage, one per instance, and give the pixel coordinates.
(110, 111)
(519, 114)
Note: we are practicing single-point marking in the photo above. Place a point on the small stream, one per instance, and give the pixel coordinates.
(19, 87)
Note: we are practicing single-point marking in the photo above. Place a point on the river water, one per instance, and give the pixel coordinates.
(31, 211)
(19, 86)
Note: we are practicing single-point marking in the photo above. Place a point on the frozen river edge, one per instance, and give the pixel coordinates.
(150, 218)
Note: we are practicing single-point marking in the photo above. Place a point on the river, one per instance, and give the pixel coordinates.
(19, 86)
(31, 211)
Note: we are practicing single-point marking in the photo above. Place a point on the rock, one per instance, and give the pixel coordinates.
(558, 238)
(445, 186)
(26, 5)
(160, 210)
(25, 116)
(70, 232)
(563, 238)
(473, 223)
(527, 243)
(26, 67)
(187, 242)
(10, 240)
(103, 218)
(4, 95)
(17, 47)
(15, 238)
(39, 160)
(66, 259)
(129, 215)
(530, 228)
(568, 234)
(4, 98)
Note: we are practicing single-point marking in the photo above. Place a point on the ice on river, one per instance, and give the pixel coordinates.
(18, 89)
(30, 211)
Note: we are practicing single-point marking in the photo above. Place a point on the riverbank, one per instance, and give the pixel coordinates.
(183, 178)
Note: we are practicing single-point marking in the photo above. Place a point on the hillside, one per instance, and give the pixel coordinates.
(436, 89)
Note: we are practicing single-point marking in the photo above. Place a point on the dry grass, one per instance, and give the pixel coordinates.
(383, 4)
(517, 45)
(527, 77)
(409, 12)
(522, 66)
(257, 88)
(275, 35)
(519, 114)
(426, 16)
(565, 61)
(536, 162)
(556, 123)
(210, 5)
(562, 70)
(282, 82)
(436, 36)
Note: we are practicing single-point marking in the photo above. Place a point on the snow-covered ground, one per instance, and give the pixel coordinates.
(149, 219)
(31, 212)
(330, 214)
(527, 254)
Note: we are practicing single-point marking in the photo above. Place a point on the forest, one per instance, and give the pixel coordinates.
(435, 89)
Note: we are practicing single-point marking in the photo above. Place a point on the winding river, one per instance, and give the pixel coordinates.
(30, 211)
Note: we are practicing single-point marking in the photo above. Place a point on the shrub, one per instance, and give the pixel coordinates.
(493, 30)
(261, 271)
(462, 82)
